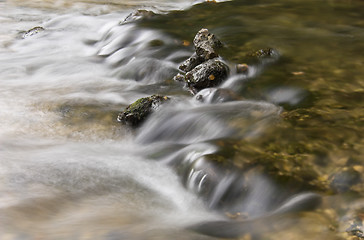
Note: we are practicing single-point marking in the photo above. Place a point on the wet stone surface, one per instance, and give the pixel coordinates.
(191, 63)
(216, 95)
(203, 69)
(207, 74)
(137, 15)
(138, 111)
(32, 32)
(206, 44)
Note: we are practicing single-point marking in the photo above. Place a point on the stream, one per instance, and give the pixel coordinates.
(200, 167)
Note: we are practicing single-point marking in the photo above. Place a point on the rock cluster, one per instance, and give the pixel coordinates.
(203, 69)
(202, 72)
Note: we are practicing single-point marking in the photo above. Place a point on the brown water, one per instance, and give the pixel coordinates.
(69, 171)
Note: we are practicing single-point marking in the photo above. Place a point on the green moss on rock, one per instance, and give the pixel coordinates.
(138, 111)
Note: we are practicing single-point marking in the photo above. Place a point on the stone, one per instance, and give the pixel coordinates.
(216, 95)
(191, 63)
(263, 53)
(208, 74)
(137, 15)
(138, 111)
(206, 44)
(179, 78)
(242, 68)
(32, 32)
(344, 179)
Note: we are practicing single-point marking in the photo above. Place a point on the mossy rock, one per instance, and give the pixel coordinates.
(138, 111)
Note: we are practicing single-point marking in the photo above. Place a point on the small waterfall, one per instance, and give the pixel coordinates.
(193, 128)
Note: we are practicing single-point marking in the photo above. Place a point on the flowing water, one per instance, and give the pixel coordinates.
(69, 170)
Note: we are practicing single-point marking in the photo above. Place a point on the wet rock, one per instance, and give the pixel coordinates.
(32, 32)
(242, 68)
(207, 74)
(138, 111)
(137, 15)
(203, 69)
(179, 78)
(263, 53)
(206, 44)
(343, 180)
(356, 228)
(191, 63)
(216, 95)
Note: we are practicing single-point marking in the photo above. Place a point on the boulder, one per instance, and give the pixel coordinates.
(208, 74)
(138, 111)
(206, 44)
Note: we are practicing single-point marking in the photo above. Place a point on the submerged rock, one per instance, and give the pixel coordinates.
(216, 95)
(343, 180)
(32, 32)
(138, 111)
(263, 53)
(207, 74)
(138, 14)
(242, 68)
(206, 44)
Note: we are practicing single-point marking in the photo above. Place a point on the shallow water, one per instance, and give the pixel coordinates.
(69, 170)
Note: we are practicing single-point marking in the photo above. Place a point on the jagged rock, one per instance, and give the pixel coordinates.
(32, 32)
(206, 44)
(138, 111)
(208, 74)
(191, 63)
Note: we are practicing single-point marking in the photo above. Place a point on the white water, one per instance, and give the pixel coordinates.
(67, 169)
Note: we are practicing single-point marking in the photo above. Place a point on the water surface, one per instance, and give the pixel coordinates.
(69, 170)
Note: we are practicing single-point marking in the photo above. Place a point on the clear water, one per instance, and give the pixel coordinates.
(69, 171)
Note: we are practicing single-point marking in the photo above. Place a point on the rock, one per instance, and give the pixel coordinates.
(138, 14)
(206, 44)
(207, 74)
(32, 32)
(263, 53)
(242, 68)
(138, 111)
(191, 63)
(179, 78)
(203, 69)
(343, 180)
(216, 95)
